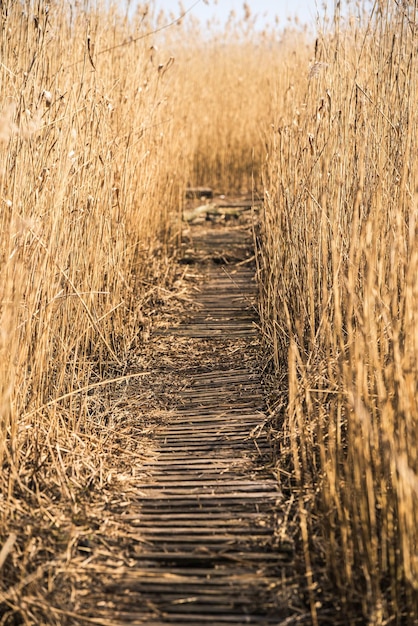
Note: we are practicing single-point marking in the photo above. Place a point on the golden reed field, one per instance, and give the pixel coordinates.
(105, 118)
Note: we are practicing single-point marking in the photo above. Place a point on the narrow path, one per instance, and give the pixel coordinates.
(207, 511)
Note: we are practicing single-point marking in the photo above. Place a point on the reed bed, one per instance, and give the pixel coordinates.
(90, 181)
(105, 118)
(339, 308)
(226, 78)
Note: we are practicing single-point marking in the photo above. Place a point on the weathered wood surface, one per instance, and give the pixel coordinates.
(205, 520)
(199, 192)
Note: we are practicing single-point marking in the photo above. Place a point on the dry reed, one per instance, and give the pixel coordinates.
(102, 125)
(90, 180)
(339, 270)
(104, 120)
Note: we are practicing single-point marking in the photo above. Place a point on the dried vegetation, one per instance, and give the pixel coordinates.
(104, 120)
(102, 126)
(339, 269)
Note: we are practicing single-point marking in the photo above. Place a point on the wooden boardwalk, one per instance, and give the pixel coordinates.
(207, 511)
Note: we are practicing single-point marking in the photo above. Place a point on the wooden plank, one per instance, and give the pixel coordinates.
(201, 499)
(199, 524)
(204, 535)
(220, 482)
(214, 392)
(239, 556)
(199, 333)
(193, 517)
(199, 192)
(136, 618)
(236, 507)
(182, 537)
(185, 456)
(179, 427)
(216, 444)
(231, 414)
(209, 492)
(222, 575)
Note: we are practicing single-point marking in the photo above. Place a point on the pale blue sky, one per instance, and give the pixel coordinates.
(306, 10)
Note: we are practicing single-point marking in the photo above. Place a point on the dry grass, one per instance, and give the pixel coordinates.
(102, 126)
(339, 267)
(225, 80)
(91, 177)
